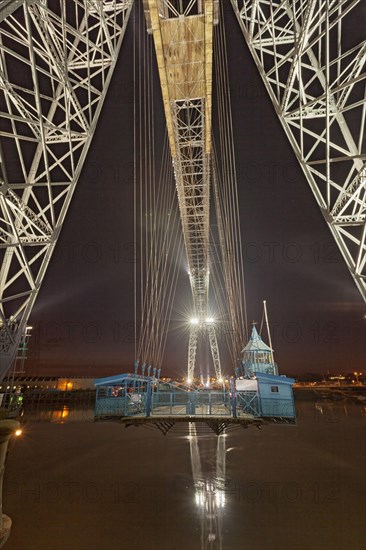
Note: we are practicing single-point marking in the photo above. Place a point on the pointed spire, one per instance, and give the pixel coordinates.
(255, 342)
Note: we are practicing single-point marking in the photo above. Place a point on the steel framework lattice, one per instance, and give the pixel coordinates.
(182, 34)
(56, 62)
(311, 55)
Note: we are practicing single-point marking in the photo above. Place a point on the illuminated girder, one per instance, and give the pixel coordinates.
(182, 31)
(195, 330)
(214, 350)
(192, 175)
(56, 62)
(311, 55)
(192, 351)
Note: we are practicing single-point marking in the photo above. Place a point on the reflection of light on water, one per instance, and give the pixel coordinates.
(220, 499)
(210, 495)
(195, 453)
(319, 408)
(60, 415)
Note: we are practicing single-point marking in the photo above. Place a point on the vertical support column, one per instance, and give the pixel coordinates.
(126, 397)
(153, 388)
(191, 405)
(158, 386)
(148, 397)
(192, 350)
(214, 350)
(136, 366)
(233, 395)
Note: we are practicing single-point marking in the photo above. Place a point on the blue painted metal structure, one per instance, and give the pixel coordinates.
(261, 391)
(130, 395)
(275, 395)
(137, 396)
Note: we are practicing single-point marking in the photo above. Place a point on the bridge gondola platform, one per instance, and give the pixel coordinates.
(135, 400)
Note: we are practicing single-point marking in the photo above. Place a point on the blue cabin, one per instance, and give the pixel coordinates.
(260, 390)
(276, 395)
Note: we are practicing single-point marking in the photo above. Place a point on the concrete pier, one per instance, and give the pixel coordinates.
(7, 430)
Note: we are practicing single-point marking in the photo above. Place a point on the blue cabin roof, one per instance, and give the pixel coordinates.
(117, 379)
(264, 377)
(256, 343)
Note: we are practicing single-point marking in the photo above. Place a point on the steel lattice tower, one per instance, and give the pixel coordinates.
(312, 55)
(56, 62)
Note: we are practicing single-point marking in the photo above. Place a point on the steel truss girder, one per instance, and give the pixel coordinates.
(182, 34)
(314, 72)
(56, 62)
(195, 331)
(214, 350)
(192, 351)
(192, 183)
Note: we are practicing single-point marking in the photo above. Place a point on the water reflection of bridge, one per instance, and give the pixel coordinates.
(209, 490)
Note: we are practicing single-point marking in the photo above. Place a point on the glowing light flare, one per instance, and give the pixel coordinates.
(220, 498)
(194, 321)
(18, 433)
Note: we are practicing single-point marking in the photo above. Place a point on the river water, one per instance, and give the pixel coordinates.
(74, 484)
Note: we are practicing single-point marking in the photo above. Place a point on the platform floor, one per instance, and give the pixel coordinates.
(215, 411)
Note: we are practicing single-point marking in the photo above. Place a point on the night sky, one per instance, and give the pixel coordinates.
(83, 318)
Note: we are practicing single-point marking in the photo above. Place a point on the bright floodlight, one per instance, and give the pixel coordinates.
(189, 381)
(210, 320)
(194, 321)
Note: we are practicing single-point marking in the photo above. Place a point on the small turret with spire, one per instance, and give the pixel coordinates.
(257, 356)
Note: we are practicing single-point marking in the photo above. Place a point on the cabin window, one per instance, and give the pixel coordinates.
(101, 392)
(274, 389)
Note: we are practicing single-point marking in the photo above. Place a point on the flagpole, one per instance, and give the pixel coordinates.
(269, 334)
